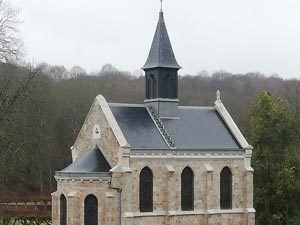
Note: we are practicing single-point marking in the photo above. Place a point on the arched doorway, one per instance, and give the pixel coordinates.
(90, 210)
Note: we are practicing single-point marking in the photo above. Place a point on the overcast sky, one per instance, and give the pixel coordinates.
(234, 35)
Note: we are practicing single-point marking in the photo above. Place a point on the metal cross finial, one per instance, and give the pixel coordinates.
(218, 95)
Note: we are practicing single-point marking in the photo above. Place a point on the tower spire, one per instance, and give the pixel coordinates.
(161, 53)
(161, 5)
(161, 70)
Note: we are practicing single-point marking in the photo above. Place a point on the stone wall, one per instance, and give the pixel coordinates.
(108, 144)
(166, 191)
(166, 182)
(76, 192)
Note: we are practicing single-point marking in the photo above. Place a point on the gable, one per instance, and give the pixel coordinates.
(109, 138)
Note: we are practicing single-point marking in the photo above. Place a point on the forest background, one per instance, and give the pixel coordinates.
(42, 108)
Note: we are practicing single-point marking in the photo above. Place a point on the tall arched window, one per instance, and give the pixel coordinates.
(150, 88)
(63, 210)
(167, 87)
(172, 88)
(187, 189)
(226, 188)
(146, 190)
(90, 210)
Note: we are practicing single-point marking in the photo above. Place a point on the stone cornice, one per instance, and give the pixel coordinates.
(183, 213)
(59, 176)
(187, 152)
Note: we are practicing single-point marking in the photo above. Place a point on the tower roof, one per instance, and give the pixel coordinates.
(161, 53)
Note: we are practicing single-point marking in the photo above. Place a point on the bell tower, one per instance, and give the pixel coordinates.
(161, 67)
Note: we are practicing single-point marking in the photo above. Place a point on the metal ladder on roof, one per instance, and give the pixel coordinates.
(161, 128)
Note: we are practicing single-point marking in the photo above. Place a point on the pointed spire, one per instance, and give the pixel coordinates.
(161, 52)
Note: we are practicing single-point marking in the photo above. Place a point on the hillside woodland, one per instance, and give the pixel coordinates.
(42, 109)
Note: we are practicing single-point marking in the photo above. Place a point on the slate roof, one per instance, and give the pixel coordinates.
(196, 128)
(92, 162)
(200, 127)
(161, 53)
(138, 127)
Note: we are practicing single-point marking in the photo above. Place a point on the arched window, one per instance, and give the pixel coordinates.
(187, 189)
(172, 88)
(63, 210)
(90, 210)
(226, 188)
(167, 87)
(150, 87)
(146, 190)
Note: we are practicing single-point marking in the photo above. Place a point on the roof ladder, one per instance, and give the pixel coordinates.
(161, 128)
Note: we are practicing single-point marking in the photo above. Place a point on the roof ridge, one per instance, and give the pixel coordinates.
(195, 107)
(126, 104)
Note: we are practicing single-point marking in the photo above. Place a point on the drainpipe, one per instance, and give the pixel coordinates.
(119, 190)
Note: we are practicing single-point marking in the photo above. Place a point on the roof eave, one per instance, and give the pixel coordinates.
(147, 67)
(60, 174)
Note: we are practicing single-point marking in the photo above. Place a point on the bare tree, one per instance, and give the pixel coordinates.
(10, 42)
(77, 71)
(292, 94)
(11, 93)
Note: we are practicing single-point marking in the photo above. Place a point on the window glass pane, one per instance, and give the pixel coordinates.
(91, 210)
(187, 189)
(226, 189)
(63, 210)
(146, 190)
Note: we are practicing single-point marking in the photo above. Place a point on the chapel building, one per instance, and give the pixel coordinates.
(157, 163)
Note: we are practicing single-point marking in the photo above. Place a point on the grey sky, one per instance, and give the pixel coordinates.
(234, 35)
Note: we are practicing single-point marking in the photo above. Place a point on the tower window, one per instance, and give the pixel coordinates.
(172, 88)
(163, 92)
(150, 87)
(63, 210)
(90, 210)
(187, 189)
(146, 190)
(226, 188)
(168, 87)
